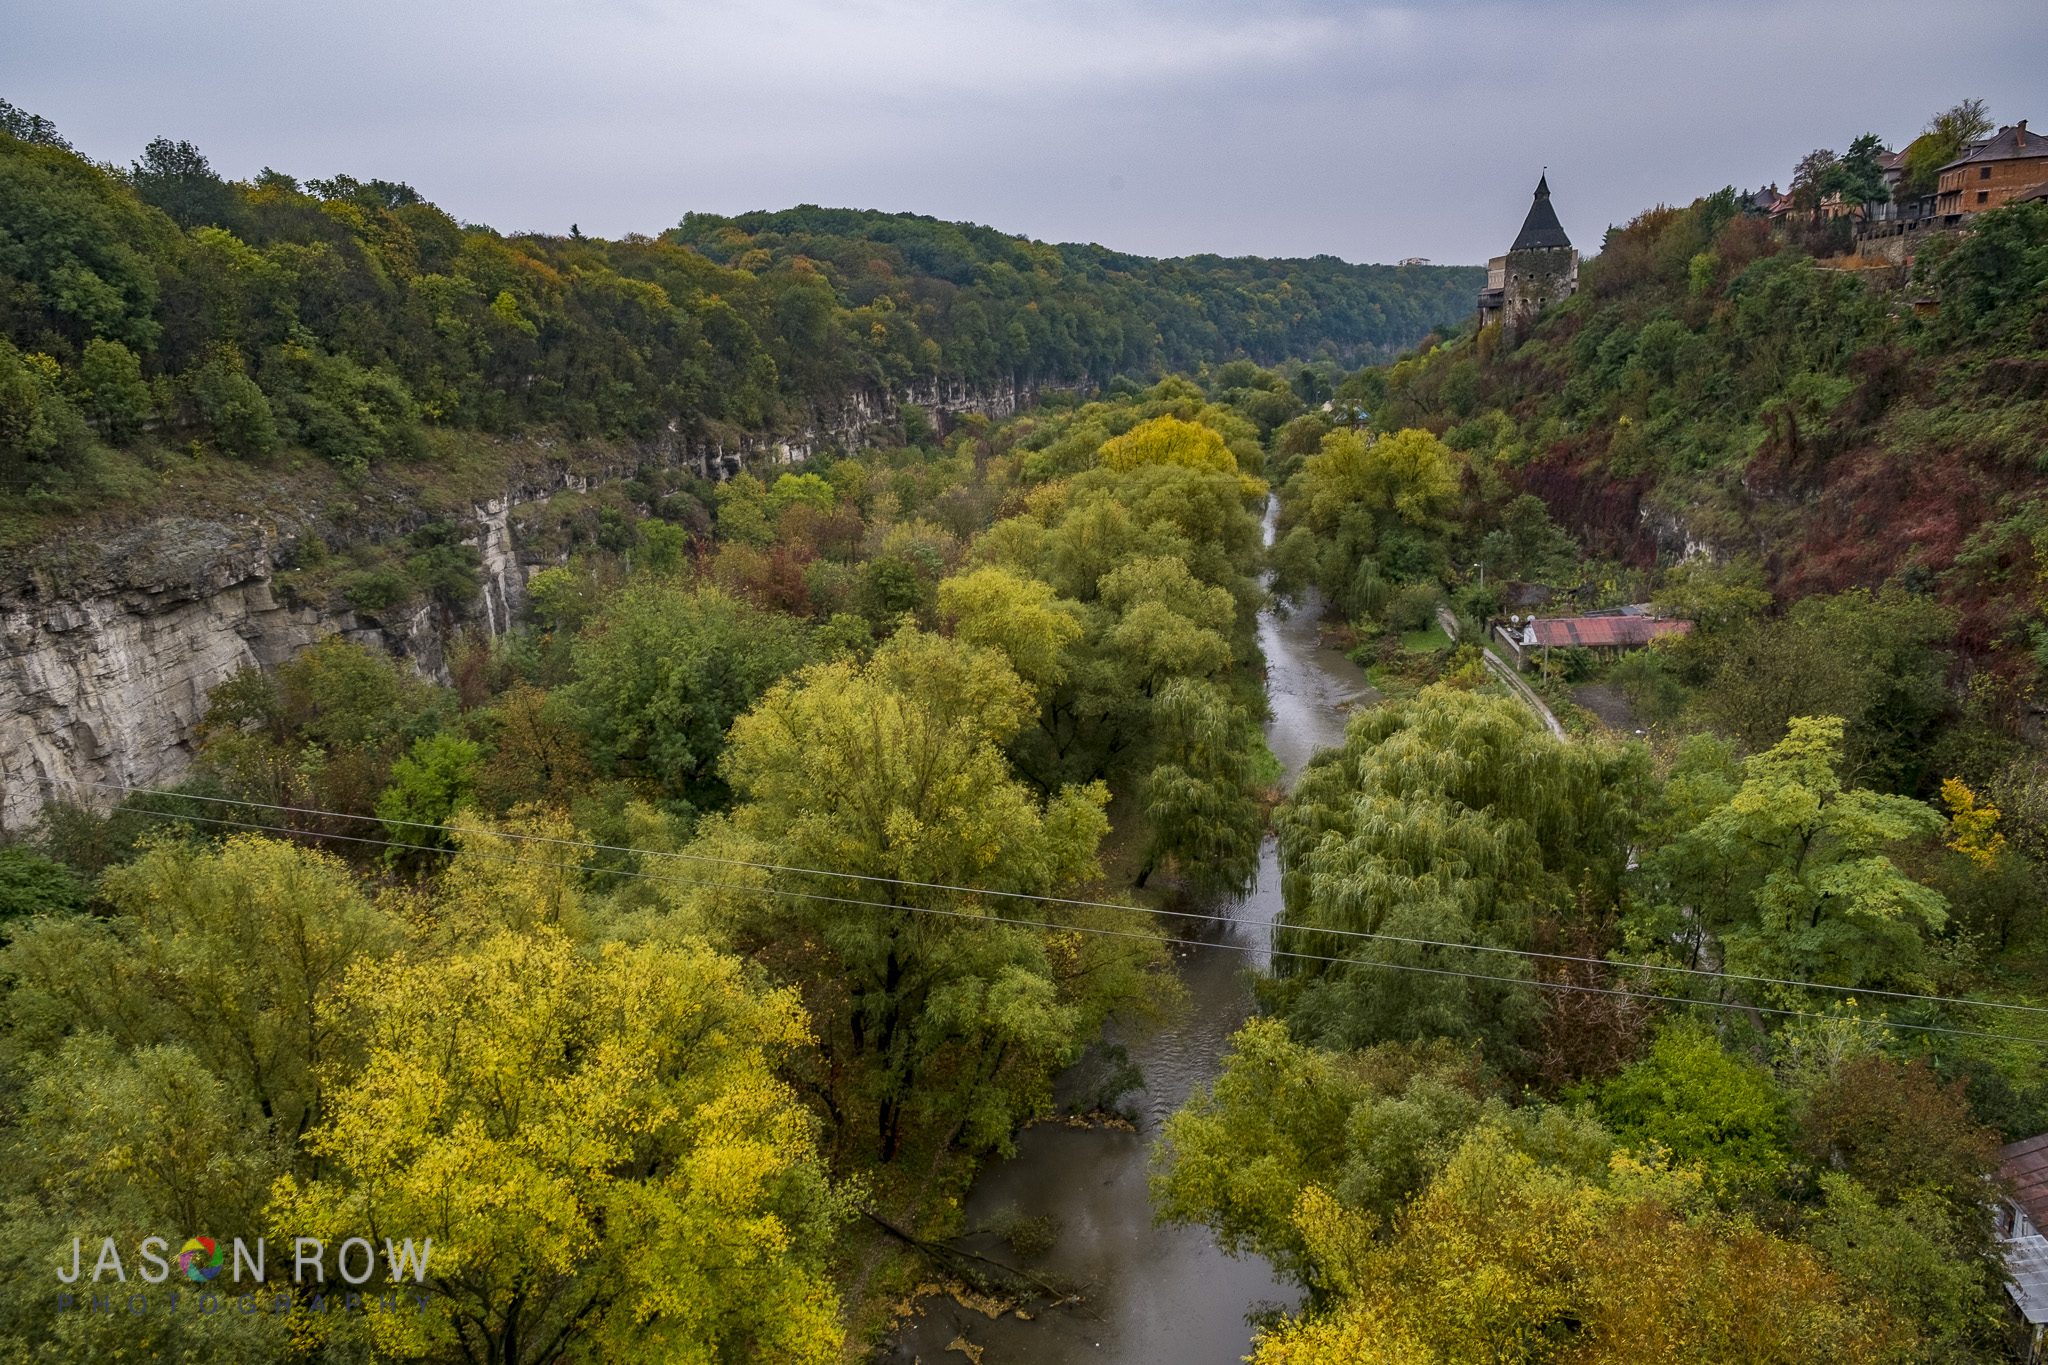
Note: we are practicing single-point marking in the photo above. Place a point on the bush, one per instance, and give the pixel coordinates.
(375, 590)
(444, 567)
(1647, 679)
(1574, 663)
(229, 402)
(119, 397)
(1414, 607)
(343, 412)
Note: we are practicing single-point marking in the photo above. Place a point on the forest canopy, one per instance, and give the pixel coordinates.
(346, 316)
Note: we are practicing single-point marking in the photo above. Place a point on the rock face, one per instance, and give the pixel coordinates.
(110, 643)
(110, 648)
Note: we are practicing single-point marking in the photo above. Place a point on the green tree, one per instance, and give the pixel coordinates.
(231, 404)
(889, 778)
(175, 177)
(1367, 1129)
(1868, 658)
(427, 786)
(341, 410)
(1791, 871)
(808, 490)
(662, 672)
(39, 431)
(996, 609)
(662, 549)
(1857, 177)
(164, 1065)
(1703, 1107)
(1912, 1257)
(1449, 817)
(1199, 801)
(32, 885)
(1716, 598)
(120, 399)
(743, 511)
(1947, 134)
(321, 731)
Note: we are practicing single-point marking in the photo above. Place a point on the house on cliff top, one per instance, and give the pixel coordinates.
(1540, 269)
(2009, 165)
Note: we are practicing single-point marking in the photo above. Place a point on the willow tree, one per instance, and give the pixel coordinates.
(1364, 512)
(882, 793)
(1449, 818)
(1154, 561)
(1199, 800)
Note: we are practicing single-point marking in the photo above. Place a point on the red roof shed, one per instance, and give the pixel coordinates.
(1608, 631)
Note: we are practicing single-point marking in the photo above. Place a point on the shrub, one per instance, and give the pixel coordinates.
(229, 402)
(119, 397)
(376, 590)
(1414, 607)
(343, 412)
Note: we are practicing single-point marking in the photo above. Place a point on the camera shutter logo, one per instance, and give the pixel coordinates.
(193, 1258)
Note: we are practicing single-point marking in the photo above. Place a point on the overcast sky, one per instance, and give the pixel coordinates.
(1165, 126)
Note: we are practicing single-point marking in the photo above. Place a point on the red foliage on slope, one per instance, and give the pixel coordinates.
(1605, 512)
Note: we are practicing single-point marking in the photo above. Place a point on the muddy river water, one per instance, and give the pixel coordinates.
(1153, 1295)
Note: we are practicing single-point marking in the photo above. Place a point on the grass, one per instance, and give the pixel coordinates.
(113, 488)
(1425, 641)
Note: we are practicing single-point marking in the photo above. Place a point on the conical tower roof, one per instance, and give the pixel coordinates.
(1541, 228)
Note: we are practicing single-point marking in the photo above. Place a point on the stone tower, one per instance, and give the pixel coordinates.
(1540, 269)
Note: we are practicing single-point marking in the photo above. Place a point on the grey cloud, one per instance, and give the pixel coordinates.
(1367, 131)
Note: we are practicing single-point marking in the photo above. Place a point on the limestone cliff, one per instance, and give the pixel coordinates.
(109, 647)
(110, 640)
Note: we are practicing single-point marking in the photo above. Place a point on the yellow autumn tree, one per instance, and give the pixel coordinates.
(882, 792)
(996, 609)
(1506, 1259)
(598, 1147)
(1972, 828)
(1170, 441)
(1410, 477)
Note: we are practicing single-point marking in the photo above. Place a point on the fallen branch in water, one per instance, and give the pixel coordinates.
(957, 1254)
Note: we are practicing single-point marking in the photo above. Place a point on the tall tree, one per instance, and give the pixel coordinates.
(881, 788)
(1792, 871)
(1450, 818)
(598, 1148)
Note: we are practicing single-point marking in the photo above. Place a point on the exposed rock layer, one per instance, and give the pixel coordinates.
(109, 643)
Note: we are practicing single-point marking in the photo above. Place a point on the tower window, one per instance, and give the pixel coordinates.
(1983, 196)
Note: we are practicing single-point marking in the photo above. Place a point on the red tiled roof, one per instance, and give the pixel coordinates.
(1606, 630)
(2025, 1167)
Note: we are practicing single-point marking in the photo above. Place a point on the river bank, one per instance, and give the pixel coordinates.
(1152, 1295)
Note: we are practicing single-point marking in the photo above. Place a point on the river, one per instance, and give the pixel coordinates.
(1153, 1295)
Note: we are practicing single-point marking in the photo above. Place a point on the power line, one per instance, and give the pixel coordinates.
(788, 894)
(1911, 996)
